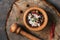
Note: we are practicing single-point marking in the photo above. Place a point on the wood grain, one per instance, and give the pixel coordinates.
(15, 12)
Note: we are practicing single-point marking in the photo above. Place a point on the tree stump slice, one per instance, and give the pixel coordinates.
(16, 15)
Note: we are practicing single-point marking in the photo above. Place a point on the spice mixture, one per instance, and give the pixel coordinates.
(35, 18)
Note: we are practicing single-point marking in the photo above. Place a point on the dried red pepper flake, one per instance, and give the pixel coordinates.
(52, 31)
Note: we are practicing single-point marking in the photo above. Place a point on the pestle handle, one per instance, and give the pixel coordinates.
(31, 37)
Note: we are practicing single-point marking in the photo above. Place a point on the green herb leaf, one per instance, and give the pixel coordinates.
(17, 19)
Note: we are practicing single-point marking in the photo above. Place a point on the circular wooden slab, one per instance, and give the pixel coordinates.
(16, 15)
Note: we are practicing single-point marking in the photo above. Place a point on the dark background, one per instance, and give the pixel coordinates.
(55, 3)
(5, 6)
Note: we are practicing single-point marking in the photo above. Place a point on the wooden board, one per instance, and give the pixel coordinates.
(17, 16)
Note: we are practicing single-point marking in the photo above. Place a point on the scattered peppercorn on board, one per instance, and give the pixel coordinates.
(16, 16)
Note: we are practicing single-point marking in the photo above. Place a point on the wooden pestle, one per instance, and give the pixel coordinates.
(17, 30)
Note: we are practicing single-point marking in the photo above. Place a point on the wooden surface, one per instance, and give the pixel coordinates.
(5, 6)
(15, 13)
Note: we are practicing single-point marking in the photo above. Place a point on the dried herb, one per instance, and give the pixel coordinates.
(17, 18)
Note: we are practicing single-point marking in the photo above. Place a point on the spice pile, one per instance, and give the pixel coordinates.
(35, 18)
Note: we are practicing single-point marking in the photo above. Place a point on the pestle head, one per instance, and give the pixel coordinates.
(13, 27)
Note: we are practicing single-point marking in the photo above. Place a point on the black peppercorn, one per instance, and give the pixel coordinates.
(21, 11)
(27, 5)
